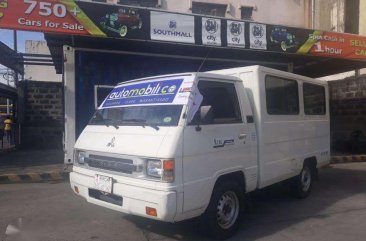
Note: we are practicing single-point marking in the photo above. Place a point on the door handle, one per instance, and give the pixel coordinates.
(242, 136)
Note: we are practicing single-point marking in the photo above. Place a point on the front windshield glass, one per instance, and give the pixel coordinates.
(156, 115)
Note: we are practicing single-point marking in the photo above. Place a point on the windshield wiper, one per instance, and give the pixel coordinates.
(134, 120)
(141, 121)
(111, 122)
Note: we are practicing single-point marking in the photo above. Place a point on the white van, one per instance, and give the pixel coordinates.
(179, 146)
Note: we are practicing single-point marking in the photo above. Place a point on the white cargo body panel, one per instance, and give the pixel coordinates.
(284, 140)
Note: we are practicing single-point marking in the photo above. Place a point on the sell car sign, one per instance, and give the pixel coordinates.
(58, 16)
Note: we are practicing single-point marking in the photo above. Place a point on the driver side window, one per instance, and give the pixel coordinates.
(223, 100)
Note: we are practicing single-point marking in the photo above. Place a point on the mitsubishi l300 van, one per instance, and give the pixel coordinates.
(180, 146)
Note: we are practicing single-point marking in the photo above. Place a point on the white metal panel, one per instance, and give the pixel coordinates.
(69, 103)
(203, 162)
(284, 141)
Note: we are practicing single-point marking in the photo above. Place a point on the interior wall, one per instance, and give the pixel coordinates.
(348, 114)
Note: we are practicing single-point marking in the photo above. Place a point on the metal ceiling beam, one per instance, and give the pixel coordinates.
(9, 58)
(43, 64)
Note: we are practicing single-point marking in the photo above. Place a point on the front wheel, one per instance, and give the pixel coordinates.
(303, 183)
(283, 46)
(224, 210)
(123, 31)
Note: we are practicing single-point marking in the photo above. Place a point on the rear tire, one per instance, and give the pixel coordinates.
(302, 184)
(223, 214)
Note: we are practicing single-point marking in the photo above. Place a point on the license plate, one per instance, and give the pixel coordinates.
(103, 183)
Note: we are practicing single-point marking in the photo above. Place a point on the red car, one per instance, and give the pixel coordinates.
(121, 22)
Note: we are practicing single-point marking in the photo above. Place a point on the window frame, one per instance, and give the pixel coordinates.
(242, 10)
(236, 105)
(298, 95)
(137, 3)
(198, 3)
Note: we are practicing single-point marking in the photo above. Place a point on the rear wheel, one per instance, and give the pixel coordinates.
(302, 184)
(222, 216)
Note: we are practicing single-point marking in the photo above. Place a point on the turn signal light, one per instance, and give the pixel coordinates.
(76, 189)
(151, 212)
(168, 165)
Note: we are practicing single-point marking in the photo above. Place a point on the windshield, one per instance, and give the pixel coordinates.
(156, 115)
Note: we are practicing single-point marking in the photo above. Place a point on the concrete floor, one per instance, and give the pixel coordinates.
(336, 210)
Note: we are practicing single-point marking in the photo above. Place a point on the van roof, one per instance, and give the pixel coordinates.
(198, 74)
(267, 70)
(227, 74)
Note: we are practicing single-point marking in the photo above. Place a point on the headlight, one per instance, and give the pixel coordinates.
(162, 169)
(80, 157)
(154, 168)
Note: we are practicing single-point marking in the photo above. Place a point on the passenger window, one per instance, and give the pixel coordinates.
(282, 96)
(314, 99)
(223, 100)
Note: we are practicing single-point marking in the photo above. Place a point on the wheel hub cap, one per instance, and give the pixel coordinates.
(227, 209)
(305, 179)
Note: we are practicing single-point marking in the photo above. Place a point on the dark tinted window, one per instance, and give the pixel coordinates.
(282, 96)
(314, 99)
(101, 92)
(210, 9)
(246, 13)
(142, 3)
(223, 100)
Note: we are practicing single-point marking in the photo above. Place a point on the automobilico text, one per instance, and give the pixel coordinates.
(146, 91)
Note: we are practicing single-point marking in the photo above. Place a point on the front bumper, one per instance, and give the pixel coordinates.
(135, 199)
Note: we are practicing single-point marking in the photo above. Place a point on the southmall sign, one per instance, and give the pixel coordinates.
(117, 21)
(172, 27)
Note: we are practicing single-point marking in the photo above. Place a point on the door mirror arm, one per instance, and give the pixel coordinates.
(205, 116)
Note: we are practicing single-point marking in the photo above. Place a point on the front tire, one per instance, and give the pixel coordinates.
(123, 31)
(303, 183)
(224, 211)
(283, 46)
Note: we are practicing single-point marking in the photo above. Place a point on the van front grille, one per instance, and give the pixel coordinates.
(111, 164)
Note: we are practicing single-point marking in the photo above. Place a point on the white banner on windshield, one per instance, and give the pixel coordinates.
(257, 36)
(172, 27)
(211, 31)
(235, 34)
(166, 91)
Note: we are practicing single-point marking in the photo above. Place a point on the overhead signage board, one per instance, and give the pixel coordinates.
(172, 27)
(331, 44)
(211, 31)
(117, 21)
(58, 16)
(235, 34)
(258, 36)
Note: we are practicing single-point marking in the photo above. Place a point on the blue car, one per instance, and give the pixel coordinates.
(285, 39)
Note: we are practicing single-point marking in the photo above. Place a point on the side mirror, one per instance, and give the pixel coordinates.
(206, 114)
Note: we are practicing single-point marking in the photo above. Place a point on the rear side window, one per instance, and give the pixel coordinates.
(314, 99)
(223, 100)
(282, 96)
